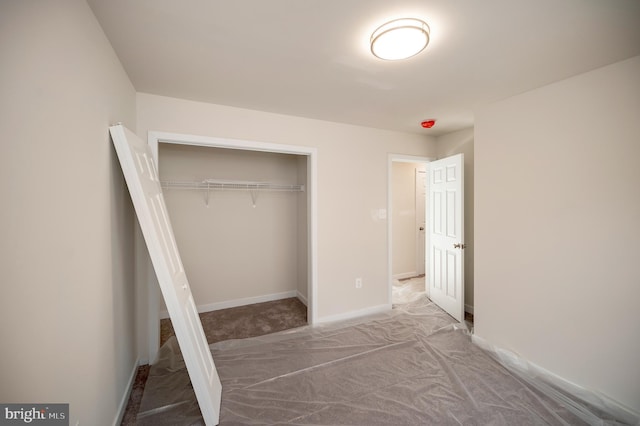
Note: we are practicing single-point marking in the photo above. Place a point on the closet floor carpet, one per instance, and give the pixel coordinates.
(246, 321)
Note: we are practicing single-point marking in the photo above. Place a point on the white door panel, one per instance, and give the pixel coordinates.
(446, 234)
(141, 175)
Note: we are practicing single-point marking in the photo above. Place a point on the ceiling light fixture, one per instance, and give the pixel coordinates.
(400, 39)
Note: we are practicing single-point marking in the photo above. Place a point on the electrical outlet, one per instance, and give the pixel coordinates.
(358, 282)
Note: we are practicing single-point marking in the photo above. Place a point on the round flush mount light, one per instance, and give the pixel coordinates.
(400, 39)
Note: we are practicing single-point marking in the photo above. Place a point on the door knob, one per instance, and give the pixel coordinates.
(422, 228)
(459, 245)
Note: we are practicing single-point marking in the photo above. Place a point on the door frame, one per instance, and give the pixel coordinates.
(155, 138)
(400, 158)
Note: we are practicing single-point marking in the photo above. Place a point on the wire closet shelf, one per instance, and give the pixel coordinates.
(254, 188)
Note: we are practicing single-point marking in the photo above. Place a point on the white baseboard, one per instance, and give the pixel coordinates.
(405, 275)
(239, 302)
(302, 298)
(357, 314)
(547, 380)
(468, 308)
(127, 393)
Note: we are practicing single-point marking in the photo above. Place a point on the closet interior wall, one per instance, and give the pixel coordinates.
(235, 252)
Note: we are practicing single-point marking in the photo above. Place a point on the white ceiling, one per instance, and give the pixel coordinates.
(311, 58)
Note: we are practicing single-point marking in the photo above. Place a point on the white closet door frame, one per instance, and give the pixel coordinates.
(155, 138)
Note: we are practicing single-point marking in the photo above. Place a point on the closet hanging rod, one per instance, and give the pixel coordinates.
(237, 185)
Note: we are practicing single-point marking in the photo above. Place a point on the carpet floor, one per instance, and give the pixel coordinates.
(246, 321)
(413, 365)
(256, 320)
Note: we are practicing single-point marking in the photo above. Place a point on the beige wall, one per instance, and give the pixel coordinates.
(403, 189)
(230, 249)
(557, 225)
(461, 142)
(67, 321)
(352, 186)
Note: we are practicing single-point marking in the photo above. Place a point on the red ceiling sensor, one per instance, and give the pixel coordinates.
(427, 124)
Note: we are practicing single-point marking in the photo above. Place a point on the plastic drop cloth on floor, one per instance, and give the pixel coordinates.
(408, 290)
(412, 366)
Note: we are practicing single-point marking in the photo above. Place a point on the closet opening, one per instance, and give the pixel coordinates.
(243, 215)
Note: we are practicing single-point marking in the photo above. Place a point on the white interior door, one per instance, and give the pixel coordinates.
(446, 234)
(421, 205)
(141, 174)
